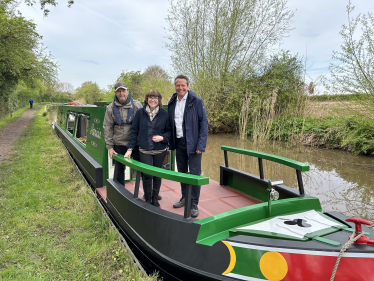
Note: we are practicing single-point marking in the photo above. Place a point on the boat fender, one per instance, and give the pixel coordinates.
(117, 115)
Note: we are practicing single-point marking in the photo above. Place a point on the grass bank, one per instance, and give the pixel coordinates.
(50, 225)
(15, 116)
(354, 134)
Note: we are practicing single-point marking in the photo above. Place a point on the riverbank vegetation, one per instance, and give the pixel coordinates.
(229, 51)
(139, 83)
(50, 225)
(27, 69)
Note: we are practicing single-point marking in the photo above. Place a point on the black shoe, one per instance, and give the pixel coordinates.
(148, 198)
(181, 203)
(194, 211)
(155, 202)
(159, 197)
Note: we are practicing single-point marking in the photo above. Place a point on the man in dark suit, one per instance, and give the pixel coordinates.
(189, 125)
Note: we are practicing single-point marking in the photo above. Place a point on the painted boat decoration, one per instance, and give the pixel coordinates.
(282, 235)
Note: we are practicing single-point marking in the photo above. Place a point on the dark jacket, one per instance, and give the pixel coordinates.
(195, 123)
(142, 130)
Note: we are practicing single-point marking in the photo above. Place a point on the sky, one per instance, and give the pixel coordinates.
(97, 40)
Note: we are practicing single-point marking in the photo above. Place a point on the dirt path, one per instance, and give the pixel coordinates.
(12, 131)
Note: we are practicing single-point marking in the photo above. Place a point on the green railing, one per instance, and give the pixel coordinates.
(165, 174)
(299, 166)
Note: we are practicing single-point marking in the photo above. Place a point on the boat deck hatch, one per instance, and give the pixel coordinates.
(300, 226)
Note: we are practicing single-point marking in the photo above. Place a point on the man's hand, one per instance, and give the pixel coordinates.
(157, 138)
(198, 152)
(111, 151)
(128, 153)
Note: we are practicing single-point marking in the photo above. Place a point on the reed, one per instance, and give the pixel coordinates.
(244, 114)
(263, 117)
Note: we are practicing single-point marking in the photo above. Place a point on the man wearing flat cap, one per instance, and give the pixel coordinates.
(117, 124)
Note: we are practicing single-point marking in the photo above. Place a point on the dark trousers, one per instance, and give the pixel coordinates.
(155, 160)
(193, 162)
(30, 105)
(119, 168)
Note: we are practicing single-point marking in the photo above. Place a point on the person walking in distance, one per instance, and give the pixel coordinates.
(189, 125)
(31, 102)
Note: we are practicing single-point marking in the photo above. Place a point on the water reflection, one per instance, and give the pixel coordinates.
(52, 112)
(342, 181)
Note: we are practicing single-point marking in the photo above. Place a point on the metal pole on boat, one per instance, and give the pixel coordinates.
(300, 182)
(261, 168)
(137, 183)
(226, 159)
(187, 206)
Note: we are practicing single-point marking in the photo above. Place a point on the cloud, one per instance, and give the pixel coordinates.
(91, 61)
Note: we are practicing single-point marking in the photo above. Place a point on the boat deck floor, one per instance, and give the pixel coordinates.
(214, 198)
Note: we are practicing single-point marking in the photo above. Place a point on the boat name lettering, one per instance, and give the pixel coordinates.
(94, 132)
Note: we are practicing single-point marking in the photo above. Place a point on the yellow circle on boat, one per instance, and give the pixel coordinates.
(273, 266)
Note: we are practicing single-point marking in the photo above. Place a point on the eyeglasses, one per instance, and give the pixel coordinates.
(153, 98)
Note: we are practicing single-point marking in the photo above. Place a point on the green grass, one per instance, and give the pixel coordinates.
(15, 116)
(342, 97)
(50, 225)
(354, 134)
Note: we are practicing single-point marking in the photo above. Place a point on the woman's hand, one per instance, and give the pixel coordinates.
(128, 153)
(157, 138)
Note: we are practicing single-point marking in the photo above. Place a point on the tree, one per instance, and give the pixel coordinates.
(215, 37)
(13, 4)
(22, 55)
(219, 43)
(283, 73)
(89, 91)
(354, 74)
(155, 77)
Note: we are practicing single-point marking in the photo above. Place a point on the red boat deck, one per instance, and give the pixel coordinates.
(214, 198)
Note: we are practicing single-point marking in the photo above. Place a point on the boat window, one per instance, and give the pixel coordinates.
(82, 128)
(71, 119)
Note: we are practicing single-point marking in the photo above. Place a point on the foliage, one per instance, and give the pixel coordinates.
(219, 45)
(354, 134)
(89, 91)
(342, 97)
(51, 226)
(22, 55)
(13, 4)
(25, 66)
(214, 38)
(354, 73)
(153, 77)
(283, 73)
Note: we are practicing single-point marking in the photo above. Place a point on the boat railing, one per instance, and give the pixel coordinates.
(298, 166)
(188, 179)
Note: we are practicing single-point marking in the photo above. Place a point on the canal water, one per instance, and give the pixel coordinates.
(342, 181)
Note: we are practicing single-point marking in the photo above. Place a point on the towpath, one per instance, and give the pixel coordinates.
(12, 132)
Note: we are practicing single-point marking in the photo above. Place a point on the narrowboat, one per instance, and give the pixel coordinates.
(249, 227)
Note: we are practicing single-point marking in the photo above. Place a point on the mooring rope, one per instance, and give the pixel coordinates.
(351, 240)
